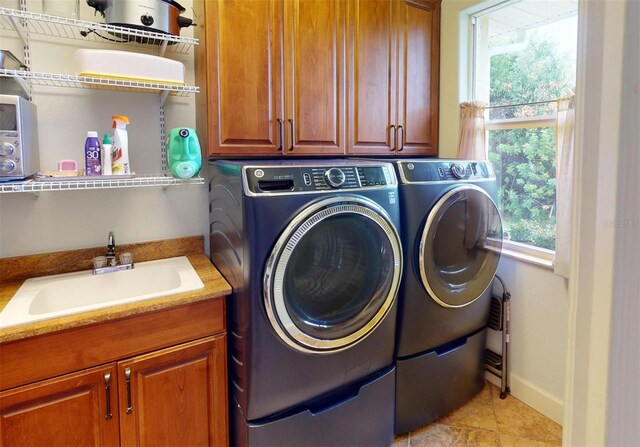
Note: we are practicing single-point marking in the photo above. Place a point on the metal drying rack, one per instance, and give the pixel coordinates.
(499, 320)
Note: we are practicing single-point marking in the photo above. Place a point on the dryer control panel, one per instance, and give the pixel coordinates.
(307, 179)
(419, 171)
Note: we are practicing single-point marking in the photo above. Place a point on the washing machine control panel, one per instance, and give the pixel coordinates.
(419, 171)
(300, 179)
(335, 177)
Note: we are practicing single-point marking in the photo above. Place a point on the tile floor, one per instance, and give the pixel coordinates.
(487, 421)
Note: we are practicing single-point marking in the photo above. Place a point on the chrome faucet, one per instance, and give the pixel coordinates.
(111, 250)
(108, 263)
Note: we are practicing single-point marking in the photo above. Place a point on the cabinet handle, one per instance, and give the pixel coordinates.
(281, 127)
(292, 135)
(107, 387)
(400, 128)
(127, 377)
(393, 129)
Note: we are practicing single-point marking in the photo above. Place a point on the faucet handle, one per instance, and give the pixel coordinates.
(126, 258)
(99, 262)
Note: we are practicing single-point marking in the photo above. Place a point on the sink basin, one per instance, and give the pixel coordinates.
(55, 296)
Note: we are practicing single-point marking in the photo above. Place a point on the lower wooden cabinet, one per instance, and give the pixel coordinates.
(176, 396)
(70, 410)
(169, 397)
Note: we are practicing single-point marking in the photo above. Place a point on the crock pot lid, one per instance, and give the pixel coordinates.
(175, 4)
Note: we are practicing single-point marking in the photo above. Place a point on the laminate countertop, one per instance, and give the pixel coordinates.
(15, 270)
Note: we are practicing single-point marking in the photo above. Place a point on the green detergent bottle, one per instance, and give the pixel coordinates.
(183, 152)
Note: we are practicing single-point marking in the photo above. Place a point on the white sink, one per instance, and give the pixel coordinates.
(55, 296)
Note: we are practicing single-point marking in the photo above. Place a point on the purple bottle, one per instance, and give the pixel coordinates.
(93, 163)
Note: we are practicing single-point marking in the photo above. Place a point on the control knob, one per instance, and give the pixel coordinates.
(7, 167)
(146, 20)
(457, 170)
(6, 149)
(334, 177)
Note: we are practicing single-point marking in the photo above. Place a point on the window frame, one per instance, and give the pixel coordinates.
(524, 252)
(518, 250)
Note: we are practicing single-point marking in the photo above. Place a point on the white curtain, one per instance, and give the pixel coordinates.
(472, 145)
(564, 179)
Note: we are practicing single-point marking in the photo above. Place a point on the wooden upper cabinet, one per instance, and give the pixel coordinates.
(393, 71)
(372, 76)
(256, 56)
(318, 77)
(314, 64)
(175, 396)
(418, 84)
(239, 70)
(76, 409)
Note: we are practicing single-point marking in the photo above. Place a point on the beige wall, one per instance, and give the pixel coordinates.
(453, 61)
(540, 298)
(67, 220)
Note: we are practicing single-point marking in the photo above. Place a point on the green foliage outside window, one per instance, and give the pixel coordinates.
(524, 159)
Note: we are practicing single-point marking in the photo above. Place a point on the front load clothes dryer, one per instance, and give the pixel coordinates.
(312, 251)
(452, 232)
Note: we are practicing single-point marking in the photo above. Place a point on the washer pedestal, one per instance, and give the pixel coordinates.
(355, 415)
(433, 384)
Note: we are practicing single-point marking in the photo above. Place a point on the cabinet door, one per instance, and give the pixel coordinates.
(239, 69)
(175, 396)
(371, 57)
(71, 410)
(314, 39)
(419, 68)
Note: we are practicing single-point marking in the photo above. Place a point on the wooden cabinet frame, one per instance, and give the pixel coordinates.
(318, 78)
(273, 77)
(49, 380)
(393, 77)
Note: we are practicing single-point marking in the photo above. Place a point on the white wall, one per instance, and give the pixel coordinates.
(74, 219)
(538, 335)
(540, 298)
(603, 391)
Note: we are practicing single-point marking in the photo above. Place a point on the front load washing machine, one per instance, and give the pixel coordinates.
(312, 251)
(452, 232)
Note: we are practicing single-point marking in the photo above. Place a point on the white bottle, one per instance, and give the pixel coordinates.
(120, 149)
(106, 155)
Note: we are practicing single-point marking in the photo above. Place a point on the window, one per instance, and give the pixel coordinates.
(524, 60)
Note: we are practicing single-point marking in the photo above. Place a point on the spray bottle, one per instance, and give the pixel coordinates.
(120, 149)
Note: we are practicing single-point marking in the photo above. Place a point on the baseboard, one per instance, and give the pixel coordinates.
(535, 397)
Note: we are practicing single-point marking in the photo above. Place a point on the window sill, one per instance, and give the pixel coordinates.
(529, 254)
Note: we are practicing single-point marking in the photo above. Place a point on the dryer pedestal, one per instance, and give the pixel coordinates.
(357, 415)
(432, 384)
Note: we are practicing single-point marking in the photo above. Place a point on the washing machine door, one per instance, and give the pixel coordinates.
(333, 275)
(460, 246)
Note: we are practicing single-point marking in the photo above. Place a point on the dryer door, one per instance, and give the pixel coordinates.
(333, 275)
(460, 246)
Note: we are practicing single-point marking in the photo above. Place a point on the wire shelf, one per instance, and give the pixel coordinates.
(73, 81)
(86, 31)
(36, 186)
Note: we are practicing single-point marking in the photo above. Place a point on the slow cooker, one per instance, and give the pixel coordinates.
(153, 15)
